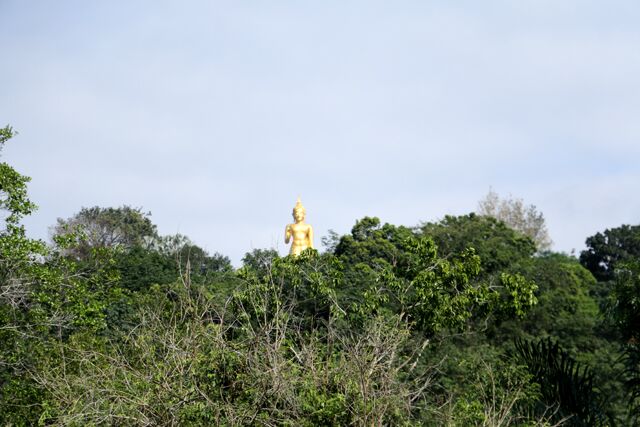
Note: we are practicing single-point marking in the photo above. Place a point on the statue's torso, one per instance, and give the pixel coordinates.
(300, 235)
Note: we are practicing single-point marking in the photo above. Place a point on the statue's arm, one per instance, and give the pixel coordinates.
(287, 234)
(310, 234)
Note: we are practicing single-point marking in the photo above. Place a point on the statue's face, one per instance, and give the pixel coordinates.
(298, 215)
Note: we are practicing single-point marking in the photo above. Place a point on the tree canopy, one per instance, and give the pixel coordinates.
(97, 227)
(605, 250)
(461, 321)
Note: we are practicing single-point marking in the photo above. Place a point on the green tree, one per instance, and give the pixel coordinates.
(141, 267)
(399, 270)
(565, 311)
(20, 264)
(624, 307)
(497, 245)
(123, 227)
(45, 301)
(260, 260)
(566, 385)
(605, 250)
(374, 243)
(202, 262)
(624, 311)
(568, 313)
(18, 252)
(13, 191)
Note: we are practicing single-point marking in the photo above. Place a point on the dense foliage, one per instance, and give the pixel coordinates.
(605, 250)
(457, 322)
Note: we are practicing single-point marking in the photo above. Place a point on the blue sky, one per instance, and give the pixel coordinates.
(215, 116)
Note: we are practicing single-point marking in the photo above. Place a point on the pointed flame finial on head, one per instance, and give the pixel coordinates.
(298, 207)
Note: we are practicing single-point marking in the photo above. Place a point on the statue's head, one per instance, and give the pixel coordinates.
(299, 211)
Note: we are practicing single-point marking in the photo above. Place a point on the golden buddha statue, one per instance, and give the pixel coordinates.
(301, 232)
